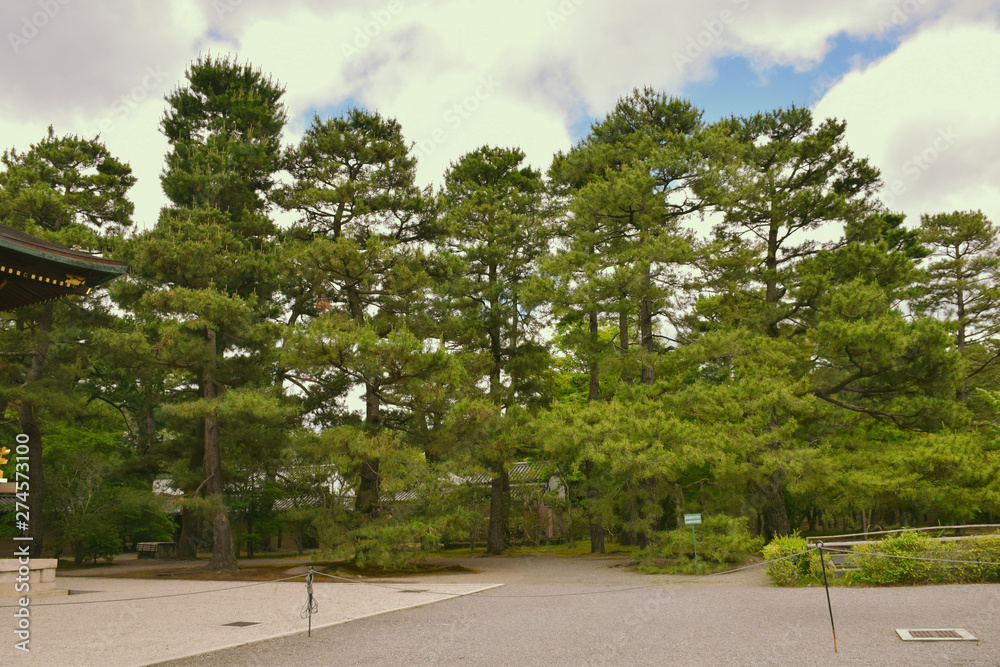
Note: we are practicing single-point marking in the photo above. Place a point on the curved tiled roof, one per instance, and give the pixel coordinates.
(34, 271)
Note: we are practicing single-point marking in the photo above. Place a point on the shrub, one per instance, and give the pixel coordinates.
(393, 545)
(721, 539)
(790, 571)
(141, 517)
(985, 548)
(881, 571)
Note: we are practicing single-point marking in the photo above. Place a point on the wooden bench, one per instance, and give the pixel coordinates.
(156, 549)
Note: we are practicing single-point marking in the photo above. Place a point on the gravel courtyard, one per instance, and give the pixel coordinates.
(568, 611)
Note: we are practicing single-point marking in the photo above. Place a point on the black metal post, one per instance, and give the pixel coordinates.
(826, 585)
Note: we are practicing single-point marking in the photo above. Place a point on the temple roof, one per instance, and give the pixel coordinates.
(34, 271)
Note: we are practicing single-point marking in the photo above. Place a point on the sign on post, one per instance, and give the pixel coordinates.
(693, 520)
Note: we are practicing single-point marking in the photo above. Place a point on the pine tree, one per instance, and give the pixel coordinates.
(494, 220)
(356, 279)
(963, 275)
(211, 264)
(69, 191)
(779, 180)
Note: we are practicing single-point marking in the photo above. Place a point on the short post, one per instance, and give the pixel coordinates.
(310, 603)
(693, 520)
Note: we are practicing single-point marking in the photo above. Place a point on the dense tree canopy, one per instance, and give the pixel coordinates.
(676, 317)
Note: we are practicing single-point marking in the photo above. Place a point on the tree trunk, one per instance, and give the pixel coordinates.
(28, 423)
(594, 384)
(497, 538)
(29, 427)
(189, 539)
(150, 429)
(593, 495)
(772, 291)
(623, 339)
(775, 513)
(649, 486)
(646, 332)
(960, 317)
(367, 499)
(223, 557)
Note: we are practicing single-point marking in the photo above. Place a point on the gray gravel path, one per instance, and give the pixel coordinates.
(732, 620)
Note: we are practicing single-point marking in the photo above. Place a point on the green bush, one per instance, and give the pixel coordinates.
(985, 548)
(882, 571)
(722, 539)
(393, 545)
(790, 571)
(816, 568)
(879, 570)
(141, 517)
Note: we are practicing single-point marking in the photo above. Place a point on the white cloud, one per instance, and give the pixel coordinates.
(546, 64)
(793, 33)
(926, 116)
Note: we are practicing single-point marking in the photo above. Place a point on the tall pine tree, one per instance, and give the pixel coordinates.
(211, 263)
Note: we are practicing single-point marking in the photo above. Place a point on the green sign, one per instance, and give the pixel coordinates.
(692, 519)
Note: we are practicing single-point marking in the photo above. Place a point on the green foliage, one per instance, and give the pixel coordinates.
(792, 570)
(389, 544)
(88, 502)
(760, 372)
(142, 518)
(882, 571)
(722, 539)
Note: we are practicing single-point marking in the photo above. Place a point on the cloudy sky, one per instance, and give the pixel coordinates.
(918, 81)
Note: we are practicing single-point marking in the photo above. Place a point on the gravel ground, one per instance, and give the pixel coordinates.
(127, 622)
(558, 611)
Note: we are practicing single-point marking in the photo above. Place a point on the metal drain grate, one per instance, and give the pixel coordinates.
(413, 590)
(240, 624)
(936, 635)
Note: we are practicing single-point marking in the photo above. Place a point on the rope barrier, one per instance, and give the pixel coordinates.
(372, 583)
(157, 597)
(662, 583)
(934, 560)
(312, 607)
